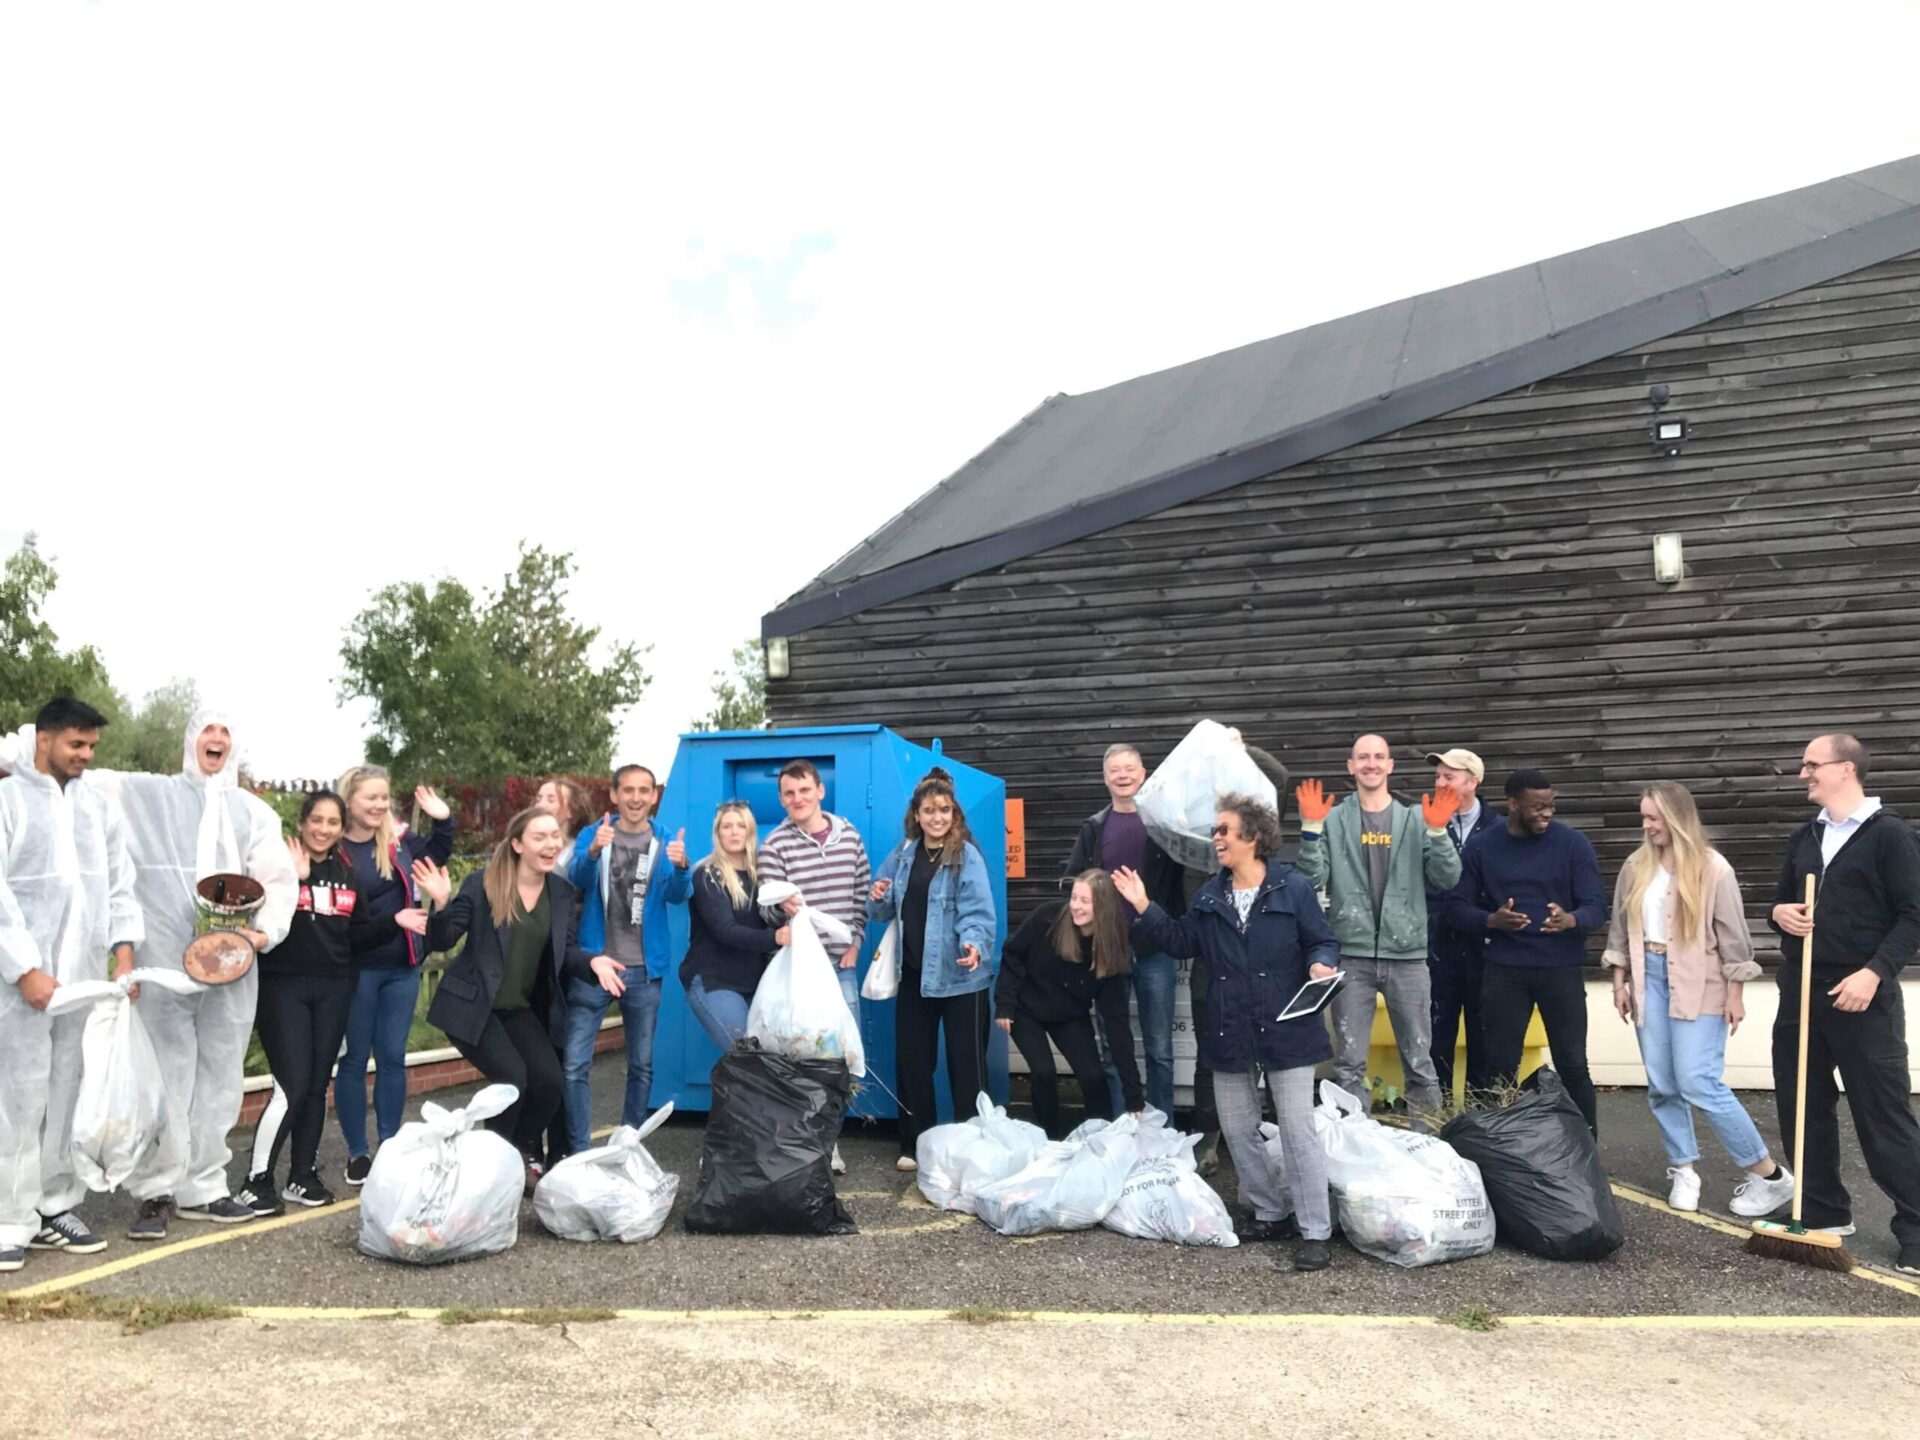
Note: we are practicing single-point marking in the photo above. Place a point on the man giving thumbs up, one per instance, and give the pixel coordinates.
(627, 875)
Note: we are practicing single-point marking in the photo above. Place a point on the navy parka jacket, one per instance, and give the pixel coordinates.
(1251, 976)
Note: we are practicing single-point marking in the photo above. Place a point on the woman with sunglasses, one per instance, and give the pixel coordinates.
(1258, 926)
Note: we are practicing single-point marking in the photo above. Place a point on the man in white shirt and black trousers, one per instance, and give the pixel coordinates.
(1866, 926)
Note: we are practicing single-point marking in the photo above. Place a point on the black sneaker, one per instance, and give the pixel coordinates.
(259, 1196)
(358, 1168)
(152, 1221)
(309, 1192)
(12, 1257)
(1909, 1261)
(66, 1232)
(1258, 1232)
(224, 1211)
(1312, 1255)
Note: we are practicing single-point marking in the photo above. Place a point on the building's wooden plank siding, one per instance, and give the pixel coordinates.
(1482, 579)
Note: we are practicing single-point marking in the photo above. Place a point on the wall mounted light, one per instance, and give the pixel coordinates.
(779, 663)
(1669, 435)
(1669, 560)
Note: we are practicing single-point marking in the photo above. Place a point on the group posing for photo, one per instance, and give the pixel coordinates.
(1454, 916)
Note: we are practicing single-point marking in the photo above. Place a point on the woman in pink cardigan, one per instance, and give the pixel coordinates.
(1681, 954)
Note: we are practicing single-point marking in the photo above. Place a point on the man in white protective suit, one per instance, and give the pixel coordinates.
(66, 902)
(181, 828)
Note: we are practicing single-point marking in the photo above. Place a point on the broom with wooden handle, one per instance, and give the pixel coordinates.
(1793, 1241)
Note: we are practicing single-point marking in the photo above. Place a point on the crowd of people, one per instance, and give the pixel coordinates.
(1446, 912)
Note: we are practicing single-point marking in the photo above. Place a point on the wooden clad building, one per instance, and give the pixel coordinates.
(1437, 520)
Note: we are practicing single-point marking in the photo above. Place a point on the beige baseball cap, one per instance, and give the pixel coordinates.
(1459, 760)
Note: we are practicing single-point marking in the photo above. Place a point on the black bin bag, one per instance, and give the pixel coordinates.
(766, 1164)
(1543, 1174)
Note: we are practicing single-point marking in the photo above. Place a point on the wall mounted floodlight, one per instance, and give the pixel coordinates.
(1669, 435)
(1669, 559)
(779, 663)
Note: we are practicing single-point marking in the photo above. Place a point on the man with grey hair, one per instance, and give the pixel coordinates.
(1113, 838)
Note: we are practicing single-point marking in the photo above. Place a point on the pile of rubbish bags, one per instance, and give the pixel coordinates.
(120, 1112)
(1549, 1191)
(615, 1191)
(1403, 1197)
(444, 1189)
(767, 1161)
(1135, 1176)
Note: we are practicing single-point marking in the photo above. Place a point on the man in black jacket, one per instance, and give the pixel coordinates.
(1866, 927)
(1115, 838)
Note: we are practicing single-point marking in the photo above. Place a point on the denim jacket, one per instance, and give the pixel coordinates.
(959, 912)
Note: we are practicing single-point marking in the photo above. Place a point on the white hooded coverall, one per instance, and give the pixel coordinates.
(181, 828)
(66, 899)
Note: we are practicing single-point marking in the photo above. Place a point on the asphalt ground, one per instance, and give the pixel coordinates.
(911, 1257)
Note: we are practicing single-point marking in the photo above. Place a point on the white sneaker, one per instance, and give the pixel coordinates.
(1755, 1197)
(1684, 1193)
(838, 1166)
(906, 1164)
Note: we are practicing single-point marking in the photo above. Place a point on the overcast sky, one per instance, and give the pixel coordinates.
(300, 300)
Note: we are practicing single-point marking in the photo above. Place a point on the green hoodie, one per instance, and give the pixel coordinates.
(1333, 862)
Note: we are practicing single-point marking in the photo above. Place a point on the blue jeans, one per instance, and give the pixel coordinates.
(1686, 1066)
(378, 1023)
(721, 1013)
(586, 1008)
(1153, 982)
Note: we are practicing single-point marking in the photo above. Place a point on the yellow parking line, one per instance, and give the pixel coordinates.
(149, 1256)
(1872, 1274)
(1143, 1318)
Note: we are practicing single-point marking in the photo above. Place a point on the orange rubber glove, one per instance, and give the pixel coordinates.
(1438, 808)
(1315, 804)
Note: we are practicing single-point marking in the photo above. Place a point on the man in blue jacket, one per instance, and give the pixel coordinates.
(1458, 959)
(1533, 886)
(626, 878)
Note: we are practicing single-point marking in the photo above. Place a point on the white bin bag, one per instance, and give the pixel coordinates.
(798, 1009)
(443, 1189)
(615, 1191)
(1181, 797)
(958, 1161)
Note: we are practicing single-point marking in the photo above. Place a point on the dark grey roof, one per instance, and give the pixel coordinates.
(1083, 463)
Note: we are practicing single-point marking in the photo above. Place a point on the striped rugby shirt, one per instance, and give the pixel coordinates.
(833, 875)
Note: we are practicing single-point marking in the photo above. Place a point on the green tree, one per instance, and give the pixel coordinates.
(739, 696)
(488, 687)
(33, 668)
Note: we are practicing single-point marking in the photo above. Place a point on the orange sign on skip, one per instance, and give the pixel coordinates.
(1016, 839)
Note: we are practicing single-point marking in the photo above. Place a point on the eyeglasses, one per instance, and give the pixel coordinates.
(1807, 767)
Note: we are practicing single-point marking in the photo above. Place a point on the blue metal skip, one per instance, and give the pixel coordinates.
(869, 773)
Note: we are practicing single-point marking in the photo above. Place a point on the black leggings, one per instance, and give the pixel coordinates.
(1076, 1042)
(516, 1050)
(919, 1023)
(301, 1020)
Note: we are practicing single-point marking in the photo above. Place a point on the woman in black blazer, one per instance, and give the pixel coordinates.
(498, 1000)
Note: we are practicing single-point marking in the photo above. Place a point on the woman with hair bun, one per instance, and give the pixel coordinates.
(1259, 929)
(935, 885)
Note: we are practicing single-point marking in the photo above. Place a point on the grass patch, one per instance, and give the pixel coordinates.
(1477, 1318)
(537, 1315)
(985, 1315)
(135, 1316)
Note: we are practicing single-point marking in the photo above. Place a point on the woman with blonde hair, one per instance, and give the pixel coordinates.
(1681, 955)
(501, 996)
(382, 853)
(730, 940)
(566, 801)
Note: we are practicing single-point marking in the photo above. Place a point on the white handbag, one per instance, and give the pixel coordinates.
(883, 975)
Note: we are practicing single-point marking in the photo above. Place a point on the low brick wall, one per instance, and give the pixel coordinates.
(422, 1078)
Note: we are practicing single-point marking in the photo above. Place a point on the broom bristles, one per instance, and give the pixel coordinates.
(1799, 1250)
